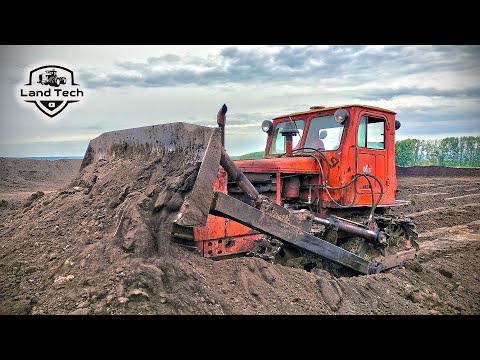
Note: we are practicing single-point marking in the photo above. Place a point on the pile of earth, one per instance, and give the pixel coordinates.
(101, 245)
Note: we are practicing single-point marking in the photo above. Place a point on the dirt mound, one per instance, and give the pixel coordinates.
(28, 174)
(101, 245)
(19, 178)
(436, 171)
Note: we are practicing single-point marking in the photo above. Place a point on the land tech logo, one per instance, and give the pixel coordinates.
(51, 88)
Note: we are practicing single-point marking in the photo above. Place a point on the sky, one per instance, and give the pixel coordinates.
(435, 90)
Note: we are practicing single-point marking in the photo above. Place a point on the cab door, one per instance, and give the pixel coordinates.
(371, 156)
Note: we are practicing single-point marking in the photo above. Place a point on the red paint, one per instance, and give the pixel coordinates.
(382, 162)
(279, 189)
(291, 189)
(352, 159)
(288, 146)
(222, 236)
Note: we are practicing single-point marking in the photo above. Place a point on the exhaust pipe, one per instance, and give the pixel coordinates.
(221, 120)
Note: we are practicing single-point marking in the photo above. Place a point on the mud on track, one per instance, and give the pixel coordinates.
(58, 255)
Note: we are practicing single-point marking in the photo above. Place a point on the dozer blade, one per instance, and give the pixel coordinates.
(197, 203)
(152, 142)
(185, 144)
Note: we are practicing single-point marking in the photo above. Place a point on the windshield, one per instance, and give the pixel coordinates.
(278, 143)
(324, 133)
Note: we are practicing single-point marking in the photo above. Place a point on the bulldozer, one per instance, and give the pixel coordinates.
(325, 186)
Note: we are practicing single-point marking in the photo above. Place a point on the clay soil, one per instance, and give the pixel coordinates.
(89, 243)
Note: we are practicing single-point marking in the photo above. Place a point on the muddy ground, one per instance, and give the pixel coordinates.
(94, 249)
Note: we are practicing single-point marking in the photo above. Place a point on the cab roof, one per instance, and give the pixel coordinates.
(316, 110)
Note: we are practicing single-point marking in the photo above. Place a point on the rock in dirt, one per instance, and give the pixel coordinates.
(331, 293)
(61, 280)
(31, 269)
(138, 295)
(413, 265)
(82, 305)
(446, 273)
(36, 195)
(121, 197)
(162, 199)
(33, 197)
(20, 307)
(80, 312)
(175, 202)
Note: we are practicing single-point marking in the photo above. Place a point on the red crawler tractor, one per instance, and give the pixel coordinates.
(325, 185)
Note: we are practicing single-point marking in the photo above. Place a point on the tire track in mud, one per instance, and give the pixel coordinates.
(442, 202)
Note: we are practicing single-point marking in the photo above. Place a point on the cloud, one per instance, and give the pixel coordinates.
(435, 90)
(342, 65)
(232, 64)
(379, 93)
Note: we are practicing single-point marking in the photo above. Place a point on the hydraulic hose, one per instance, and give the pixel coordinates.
(324, 182)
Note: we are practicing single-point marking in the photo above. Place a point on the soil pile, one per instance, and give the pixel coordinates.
(20, 177)
(101, 245)
(27, 174)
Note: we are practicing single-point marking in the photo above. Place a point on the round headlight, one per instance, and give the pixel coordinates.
(267, 126)
(340, 115)
(397, 124)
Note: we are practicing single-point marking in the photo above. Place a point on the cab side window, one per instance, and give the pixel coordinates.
(371, 133)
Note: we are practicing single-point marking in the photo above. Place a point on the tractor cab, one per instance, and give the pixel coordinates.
(327, 125)
(329, 158)
(322, 133)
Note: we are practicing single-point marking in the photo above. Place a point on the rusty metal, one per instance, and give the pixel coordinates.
(391, 261)
(278, 190)
(288, 145)
(220, 236)
(266, 248)
(221, 120)
(148, 142)
(229, 245)
(400, 232)
(334, 222)
(288, 132)
(291, 189)
(237, 175)
(229, 207)
(338, 224)
(195, 208)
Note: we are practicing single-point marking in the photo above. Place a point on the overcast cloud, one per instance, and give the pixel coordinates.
(435, 90)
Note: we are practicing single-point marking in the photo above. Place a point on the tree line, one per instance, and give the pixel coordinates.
(452, 151)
